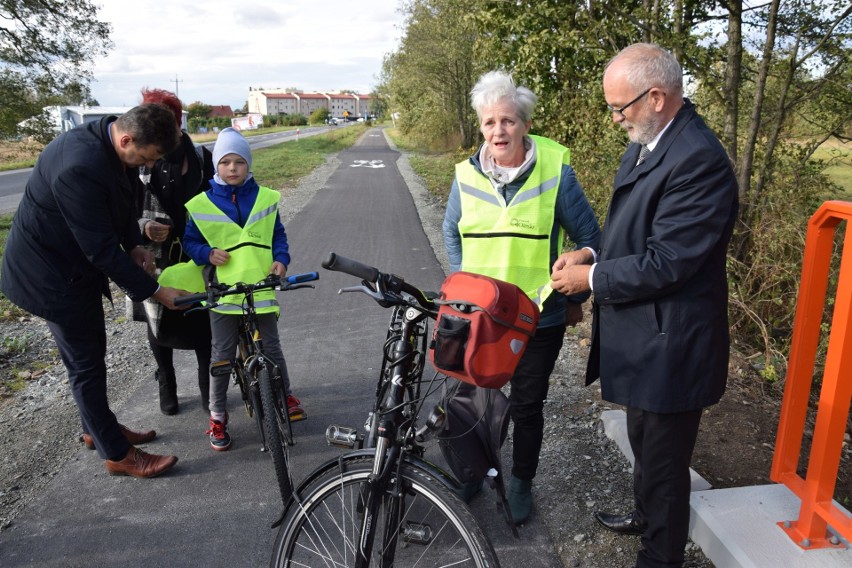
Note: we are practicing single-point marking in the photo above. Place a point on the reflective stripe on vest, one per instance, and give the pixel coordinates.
(250, 246)
(511, 241)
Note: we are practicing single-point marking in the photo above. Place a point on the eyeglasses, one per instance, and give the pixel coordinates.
(622, 109)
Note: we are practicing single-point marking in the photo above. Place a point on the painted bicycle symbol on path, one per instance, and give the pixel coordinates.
(367, 164)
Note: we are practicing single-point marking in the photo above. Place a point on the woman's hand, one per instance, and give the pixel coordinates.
(156, 231)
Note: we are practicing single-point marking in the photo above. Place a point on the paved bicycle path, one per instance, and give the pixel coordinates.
(215, 508)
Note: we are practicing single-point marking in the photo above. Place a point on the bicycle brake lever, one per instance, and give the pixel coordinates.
(364, 289)
(297, 286)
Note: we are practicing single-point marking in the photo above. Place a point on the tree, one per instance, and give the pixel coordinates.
(45, 47)
(198, 110)
(772, 79)
(319, 116)
(429, 78)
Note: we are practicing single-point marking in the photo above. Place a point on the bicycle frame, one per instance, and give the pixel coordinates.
(261, 386)
(392, 427)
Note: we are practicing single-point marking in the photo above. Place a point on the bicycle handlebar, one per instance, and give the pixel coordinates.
(384, 287)
(216, 291)
(349, 266)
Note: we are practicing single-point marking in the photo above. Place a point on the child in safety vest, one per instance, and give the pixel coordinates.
(238, 215)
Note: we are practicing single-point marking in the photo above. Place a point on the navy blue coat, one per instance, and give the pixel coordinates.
(71, 231)
(660, 329)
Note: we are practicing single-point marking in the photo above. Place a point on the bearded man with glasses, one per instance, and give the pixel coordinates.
(660, 338)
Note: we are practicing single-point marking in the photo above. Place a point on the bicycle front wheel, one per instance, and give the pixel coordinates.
(276, 442)
(424, 526)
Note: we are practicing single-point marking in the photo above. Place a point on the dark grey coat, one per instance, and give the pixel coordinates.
(71, 231)
(660, 329)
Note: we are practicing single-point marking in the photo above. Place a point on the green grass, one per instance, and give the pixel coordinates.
(17, 165)
(838, 159)
(437, 170)
(283, 165)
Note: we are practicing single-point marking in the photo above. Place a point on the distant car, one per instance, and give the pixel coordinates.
(332, 122)
(361, 119)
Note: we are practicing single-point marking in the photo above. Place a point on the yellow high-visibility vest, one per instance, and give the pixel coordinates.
(250, 246)
(511, 241)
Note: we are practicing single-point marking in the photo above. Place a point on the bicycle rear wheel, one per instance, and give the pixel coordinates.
(273, 430)
(431, 527)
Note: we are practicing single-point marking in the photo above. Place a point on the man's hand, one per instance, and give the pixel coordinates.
(571, 279)
(278, 269)
(144, 258)
(166, 296)
(218, 257)
(574, 257)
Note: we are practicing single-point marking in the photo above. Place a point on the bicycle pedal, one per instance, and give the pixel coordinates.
(416, 533)
(343, 437)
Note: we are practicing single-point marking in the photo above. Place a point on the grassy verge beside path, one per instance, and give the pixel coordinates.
(436, 169)
(19, 155)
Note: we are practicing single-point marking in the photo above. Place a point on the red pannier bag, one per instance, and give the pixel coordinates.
(482, 329)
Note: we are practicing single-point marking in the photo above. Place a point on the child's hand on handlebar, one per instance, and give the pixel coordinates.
(166, 296)
(278, 269)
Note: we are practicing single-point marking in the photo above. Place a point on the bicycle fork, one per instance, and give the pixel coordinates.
(387, 458)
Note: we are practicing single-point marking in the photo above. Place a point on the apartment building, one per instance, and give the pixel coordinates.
(279, 101)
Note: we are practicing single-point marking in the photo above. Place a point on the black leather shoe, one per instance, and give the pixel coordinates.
(622, 524)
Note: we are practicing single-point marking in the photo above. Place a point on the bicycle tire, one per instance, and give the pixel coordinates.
(435, 528)
(285, 425)
(275, 444)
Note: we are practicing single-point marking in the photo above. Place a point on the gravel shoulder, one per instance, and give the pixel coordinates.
(581, 469)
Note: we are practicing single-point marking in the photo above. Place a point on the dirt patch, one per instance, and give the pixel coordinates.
(12, 152)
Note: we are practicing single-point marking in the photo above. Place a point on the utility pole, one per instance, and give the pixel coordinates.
(176, 81)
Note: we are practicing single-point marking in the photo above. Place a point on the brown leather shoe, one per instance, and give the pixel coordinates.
(140, 464)
(135, 438)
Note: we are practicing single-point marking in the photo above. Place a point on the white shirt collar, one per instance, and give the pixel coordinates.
(653, 143)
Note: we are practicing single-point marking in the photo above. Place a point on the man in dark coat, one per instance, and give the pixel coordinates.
(660, 329)
(74, 229)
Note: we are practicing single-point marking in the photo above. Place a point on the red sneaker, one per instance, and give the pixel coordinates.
(294, 409)
(220, 440)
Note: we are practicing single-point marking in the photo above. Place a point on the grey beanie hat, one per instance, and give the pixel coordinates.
(231, 142)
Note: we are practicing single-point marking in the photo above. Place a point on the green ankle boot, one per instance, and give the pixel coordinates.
(520, 499)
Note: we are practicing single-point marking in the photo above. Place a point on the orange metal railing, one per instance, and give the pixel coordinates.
(816, 490)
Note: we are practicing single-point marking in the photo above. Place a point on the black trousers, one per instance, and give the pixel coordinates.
(529, 386)
(662, 446)
(83, 351)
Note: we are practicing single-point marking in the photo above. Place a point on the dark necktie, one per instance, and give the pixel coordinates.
(643, 153)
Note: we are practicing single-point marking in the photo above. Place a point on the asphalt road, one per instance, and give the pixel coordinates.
(13, 182)
(215, 508)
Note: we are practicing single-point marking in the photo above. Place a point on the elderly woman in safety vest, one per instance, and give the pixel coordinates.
(510, 208)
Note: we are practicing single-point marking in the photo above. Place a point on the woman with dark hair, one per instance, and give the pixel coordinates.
(159, 204)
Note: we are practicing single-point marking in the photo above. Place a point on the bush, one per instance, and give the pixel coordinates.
(319, 116)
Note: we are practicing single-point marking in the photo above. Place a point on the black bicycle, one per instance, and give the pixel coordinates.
(259, 379)
(382, 504)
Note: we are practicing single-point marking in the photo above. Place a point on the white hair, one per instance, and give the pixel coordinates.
(650, 66)
(496, 86)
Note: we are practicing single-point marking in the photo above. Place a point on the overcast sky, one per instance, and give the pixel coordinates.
(217, 49)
